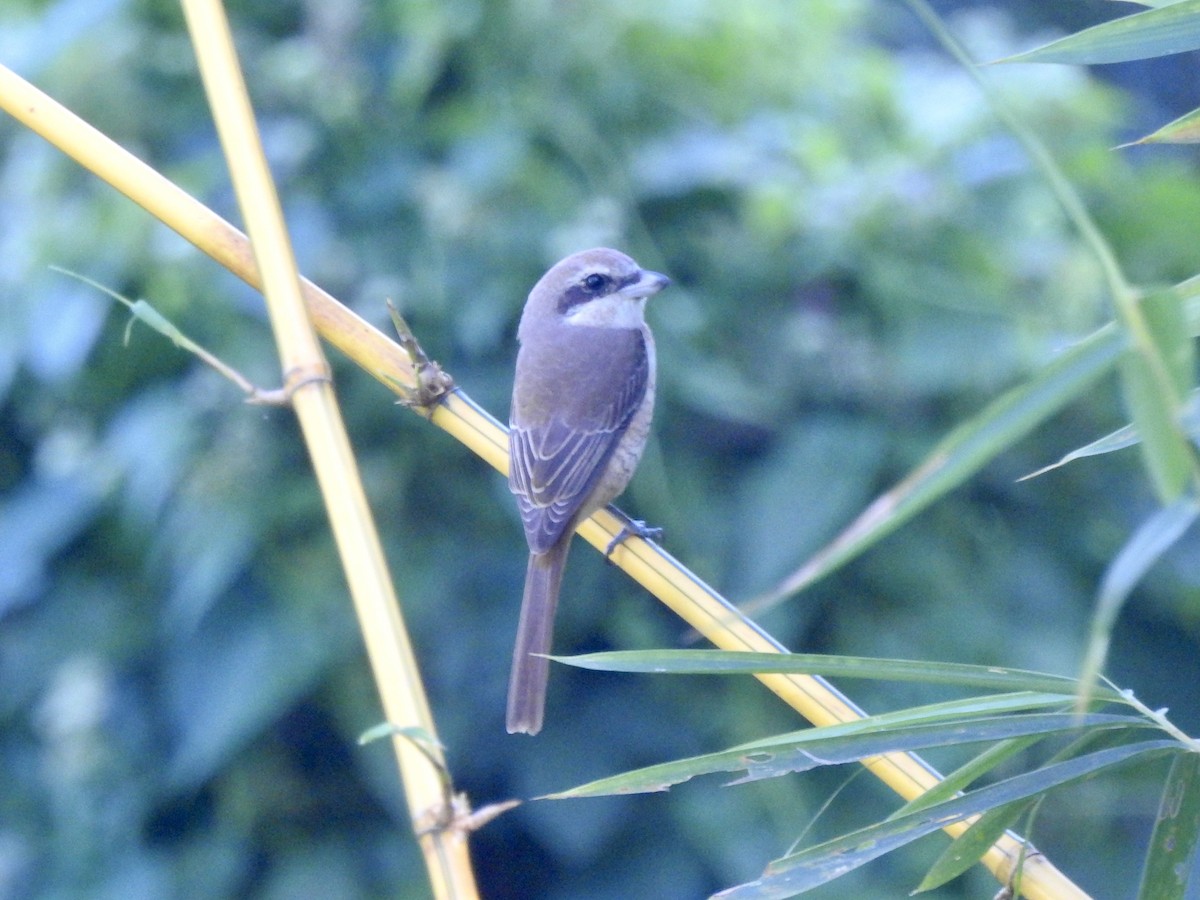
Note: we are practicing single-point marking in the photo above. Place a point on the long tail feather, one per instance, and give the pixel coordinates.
(535, 631)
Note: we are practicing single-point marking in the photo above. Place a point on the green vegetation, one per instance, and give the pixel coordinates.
(864, 257)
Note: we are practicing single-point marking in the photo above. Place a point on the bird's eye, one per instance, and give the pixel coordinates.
(595, 282)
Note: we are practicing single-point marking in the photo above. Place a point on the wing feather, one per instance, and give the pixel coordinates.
(557, 460)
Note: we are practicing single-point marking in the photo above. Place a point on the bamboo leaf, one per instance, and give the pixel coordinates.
(973, 444)
(1155, 32)
(987, 830)
(1154, 3)
(726, 662)
(1167, 321)
(970, 772)
(806, 869)
(1117, 440)
(1184, 130)
(1166, 454)
(838, 744)
(967, 849)
(1155, 536)
(1176, 833)
(1127, 436)
(1155, 380)
(141, 310)
(961, 454)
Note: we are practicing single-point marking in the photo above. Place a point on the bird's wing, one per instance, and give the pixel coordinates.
(556, 463)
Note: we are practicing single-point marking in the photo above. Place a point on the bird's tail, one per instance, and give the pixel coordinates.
(527, 684)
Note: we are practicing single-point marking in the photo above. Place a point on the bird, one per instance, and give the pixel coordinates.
(583, 398)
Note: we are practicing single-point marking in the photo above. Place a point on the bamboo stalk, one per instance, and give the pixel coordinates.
(307, 379)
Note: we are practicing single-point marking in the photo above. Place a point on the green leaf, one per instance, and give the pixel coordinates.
(798, 872)
(973, 444)
(1155, 3)
(987, 830)
(961, 454)
(1168, 323)
(1117, 440)
(967, 849)
(1176, 833)
(1155, 536)
(725, 662)
(1155, 32)
(970, 772)
(412, 733)
(837, 744)
(1127, 436)
(140, 309)
(1155, 379)
(1184, 130)
(1165, 451)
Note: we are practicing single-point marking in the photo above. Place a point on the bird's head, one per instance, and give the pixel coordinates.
(601, 288)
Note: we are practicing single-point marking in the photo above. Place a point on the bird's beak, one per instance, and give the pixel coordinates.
(648, 284)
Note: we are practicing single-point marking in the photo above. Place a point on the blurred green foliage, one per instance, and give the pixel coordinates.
(861, 257)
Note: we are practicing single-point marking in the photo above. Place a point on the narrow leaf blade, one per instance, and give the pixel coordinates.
(970, 772)
(1156, 535)
(837, 744)
(1176, 833)
(1184, 130)
(810, 868)
(961, 454)
(726, 662)
(1165, 453)
(1110, 443)
(967, 849)
(1155, 32)
(1155, 380)
(1127, 436)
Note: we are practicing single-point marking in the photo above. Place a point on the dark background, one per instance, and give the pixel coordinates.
(862, 257)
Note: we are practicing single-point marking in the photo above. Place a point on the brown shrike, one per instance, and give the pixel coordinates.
(581, 407)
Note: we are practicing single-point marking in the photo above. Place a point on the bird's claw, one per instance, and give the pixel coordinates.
(633, 528)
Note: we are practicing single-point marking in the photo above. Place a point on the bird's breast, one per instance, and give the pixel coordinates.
(628, 452)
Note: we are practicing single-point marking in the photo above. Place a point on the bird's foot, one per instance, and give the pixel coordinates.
(632, 528)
